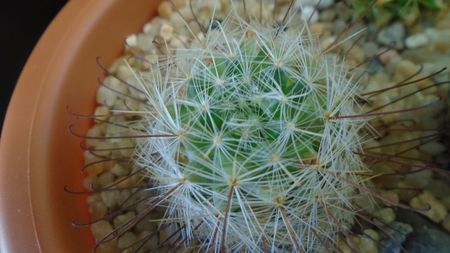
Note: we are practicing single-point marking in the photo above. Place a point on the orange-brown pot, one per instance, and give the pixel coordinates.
(37, 155)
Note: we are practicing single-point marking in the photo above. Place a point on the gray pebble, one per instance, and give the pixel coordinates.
(416, 40)
(399, 232)
(393, 34)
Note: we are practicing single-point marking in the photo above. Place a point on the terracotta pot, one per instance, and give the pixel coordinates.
(38, 156)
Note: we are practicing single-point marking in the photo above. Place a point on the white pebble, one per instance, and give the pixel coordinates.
(148, 28)
(106, 96)
(131, 40)
(145, 42)
(166, 32)
(416, 40)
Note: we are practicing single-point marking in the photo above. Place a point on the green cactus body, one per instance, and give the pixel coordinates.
(255, 161)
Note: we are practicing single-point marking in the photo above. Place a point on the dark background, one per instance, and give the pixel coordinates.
(21, 25)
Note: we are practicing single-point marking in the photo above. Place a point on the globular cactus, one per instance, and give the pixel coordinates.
(247, 148)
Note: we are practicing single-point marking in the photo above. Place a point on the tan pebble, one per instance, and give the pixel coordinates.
(119, 170)
(123, 72)
(367, 245)
(176, 43)
(327, 42)
(106, 179)
(386, 215)
(121, 219)
(357, 54)
(123, 196)
(103, 148)
(126, 182)
(179, 3)
(406, 68)
(433, 209)
(101, 229)
(106, 96)
(131, 104)
(98, 209)
(166, 32)
(126, 240)
(102, 113)
(388, 56)
(108, 247)
(109, 198)
(343, 246)
(317, 28)
(165, 10)
(90, 182)
(91, 199)
(146, 225)
(128, 143)
(151, 58)
(90, 158)
(96, 130)
(372, 234)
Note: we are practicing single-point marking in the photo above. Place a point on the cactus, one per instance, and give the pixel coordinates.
(250, 153)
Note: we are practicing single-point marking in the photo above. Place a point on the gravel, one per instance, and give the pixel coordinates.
(428, 46)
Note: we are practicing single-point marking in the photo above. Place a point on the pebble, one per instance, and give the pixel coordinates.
(131, 40)
(166, 32)
(179, 3)
(327, 15)
(393, 34)
(416, 40)
(106, 96)
(434, 209)
(165, 10)
(388, 56)
(399, 231)
(102, 113)
(145, 42)
(123, 72)
(372, 234)
(106, 179)
(386, 215)
(126, 240)
(101, 229)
